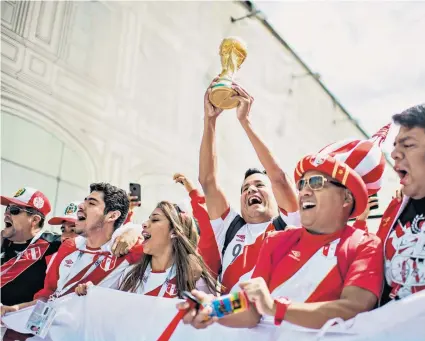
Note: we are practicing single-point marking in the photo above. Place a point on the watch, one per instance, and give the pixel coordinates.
(282, 304)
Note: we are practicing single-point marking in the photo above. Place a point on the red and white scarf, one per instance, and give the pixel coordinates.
(23, 260)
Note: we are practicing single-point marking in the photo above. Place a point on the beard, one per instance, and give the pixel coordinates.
(93, 227)
(79, 227)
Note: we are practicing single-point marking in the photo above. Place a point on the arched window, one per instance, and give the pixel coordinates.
(32, 156)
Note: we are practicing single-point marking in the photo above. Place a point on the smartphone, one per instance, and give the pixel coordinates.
(136, 191)
(376, 205)
(188, 295)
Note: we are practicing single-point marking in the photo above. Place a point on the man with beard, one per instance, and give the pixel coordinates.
(402, 227)
(89, 257)
(239, 236)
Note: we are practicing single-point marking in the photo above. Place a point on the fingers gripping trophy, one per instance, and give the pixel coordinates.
(233, 53)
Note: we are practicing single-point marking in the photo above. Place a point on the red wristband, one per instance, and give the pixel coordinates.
(282, 304)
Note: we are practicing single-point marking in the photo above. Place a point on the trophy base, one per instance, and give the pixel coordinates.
(220, 97)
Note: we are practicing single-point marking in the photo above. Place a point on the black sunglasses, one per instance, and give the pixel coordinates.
(316, 183)
(15, 210)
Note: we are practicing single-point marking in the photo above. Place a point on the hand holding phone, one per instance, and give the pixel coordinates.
(193, 299)
(135, 192)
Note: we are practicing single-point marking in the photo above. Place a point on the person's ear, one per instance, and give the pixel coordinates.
(113, 216)
(348, 198)
(35, 220)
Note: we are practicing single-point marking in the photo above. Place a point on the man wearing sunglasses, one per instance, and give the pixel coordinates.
(89, 256)
(325, 269)
(25, 247)
(263, 198)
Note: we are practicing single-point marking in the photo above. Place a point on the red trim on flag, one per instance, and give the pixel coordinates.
(169, 330)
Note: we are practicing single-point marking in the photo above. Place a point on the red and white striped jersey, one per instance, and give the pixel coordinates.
(309, 271)
(76, 263)
(242, 252)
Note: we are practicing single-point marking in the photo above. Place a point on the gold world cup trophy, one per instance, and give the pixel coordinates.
(233, 53)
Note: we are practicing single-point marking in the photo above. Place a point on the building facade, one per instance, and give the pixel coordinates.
(113, 91)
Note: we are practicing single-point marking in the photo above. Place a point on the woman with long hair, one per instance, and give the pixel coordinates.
(170, 264)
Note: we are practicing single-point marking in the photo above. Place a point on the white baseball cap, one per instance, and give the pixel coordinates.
(29, 197)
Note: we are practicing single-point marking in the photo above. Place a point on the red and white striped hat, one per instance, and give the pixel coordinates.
(29, 197)
(357, 164)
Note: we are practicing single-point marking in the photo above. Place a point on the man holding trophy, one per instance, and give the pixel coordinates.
(320, 263)
(267, 198)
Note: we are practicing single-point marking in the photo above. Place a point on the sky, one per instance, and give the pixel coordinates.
(369, 54)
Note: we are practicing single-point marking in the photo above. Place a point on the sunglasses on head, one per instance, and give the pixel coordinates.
(316, 183)
(15, 210)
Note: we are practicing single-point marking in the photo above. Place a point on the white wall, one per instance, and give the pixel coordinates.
(121, 85)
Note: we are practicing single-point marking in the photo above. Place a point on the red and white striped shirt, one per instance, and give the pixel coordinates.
(76, 263)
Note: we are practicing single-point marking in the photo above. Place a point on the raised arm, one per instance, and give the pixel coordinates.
(214, 196)
(283, 190)
(207, 245)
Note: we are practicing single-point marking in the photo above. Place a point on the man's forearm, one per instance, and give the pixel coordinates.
(315, 315)
(263, 152)
(282, 188)
(208, 156)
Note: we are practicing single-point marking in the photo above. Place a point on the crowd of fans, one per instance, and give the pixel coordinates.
(290, 249)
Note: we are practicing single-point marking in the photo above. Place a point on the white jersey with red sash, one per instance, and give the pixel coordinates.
(242, 252)
(76, 263)
(156, 283)
(160, 283)
(17, 265)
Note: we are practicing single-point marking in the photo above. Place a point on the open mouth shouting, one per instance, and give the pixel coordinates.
(8, 222)
(81, 215)
(254, 200)
(402, 173)
(146, 236)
